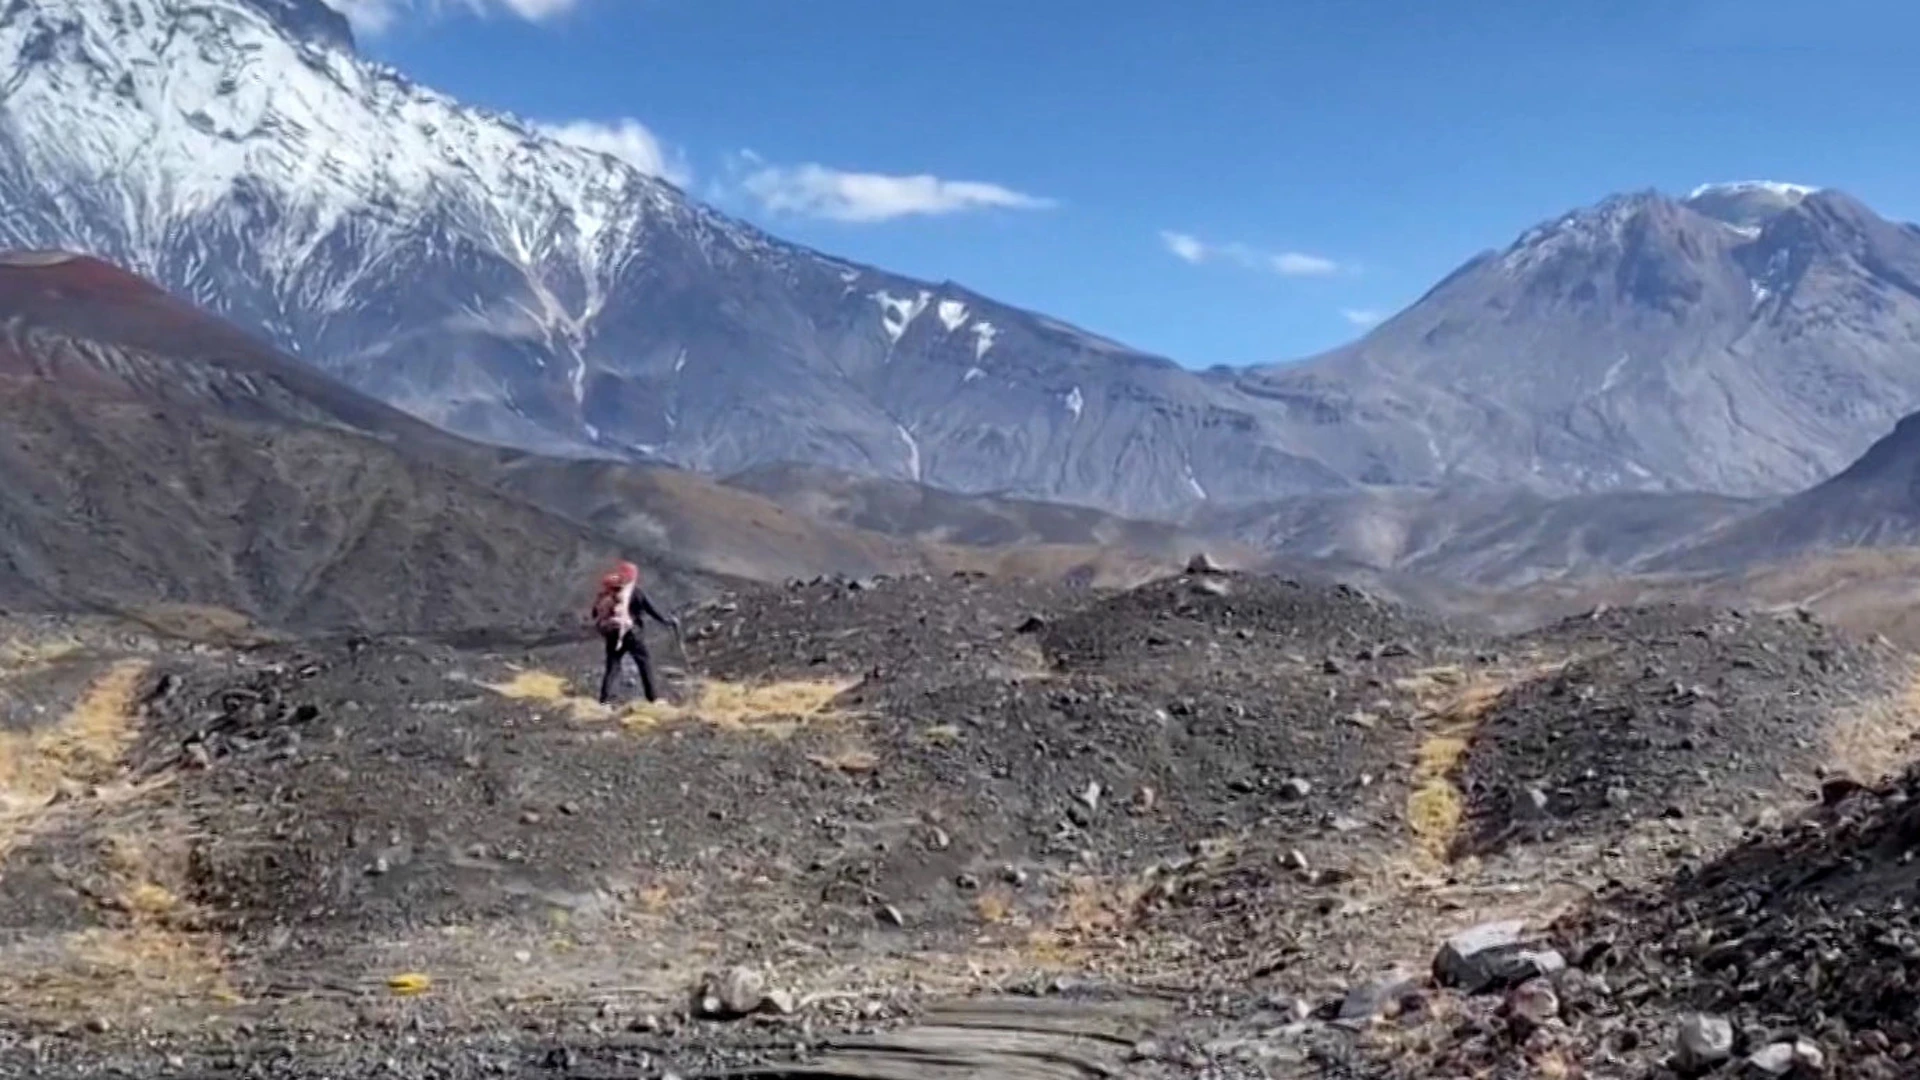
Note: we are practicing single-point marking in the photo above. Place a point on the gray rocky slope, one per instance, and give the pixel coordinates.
(467, 268)
(1707, 344)
(1875, 502)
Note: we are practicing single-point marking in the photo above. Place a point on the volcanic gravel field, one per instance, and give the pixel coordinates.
(1216, 826)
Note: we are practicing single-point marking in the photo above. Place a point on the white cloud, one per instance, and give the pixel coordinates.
(1361, 316)
(836, 195)
(628, 140)
(368, 16)
(1294, 264)
(1189, 248)
(1185, 247)
(376, 16)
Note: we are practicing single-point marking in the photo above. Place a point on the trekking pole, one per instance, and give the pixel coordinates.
(686, 658)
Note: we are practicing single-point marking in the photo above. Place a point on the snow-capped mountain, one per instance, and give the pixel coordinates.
(472, 270)
(1747, 204)
(1748, 340)
(514, 288)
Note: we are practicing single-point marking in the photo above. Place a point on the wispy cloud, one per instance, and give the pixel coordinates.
(376, 16)
(1192, 249)
(818, 191)
(628, 140)
(1362, 317)
(1185, 247)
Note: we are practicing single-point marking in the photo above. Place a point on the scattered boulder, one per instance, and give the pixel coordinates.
(729, 995)
(1702, 1042)
(1492, 956)
(1376, 998)
(1774, 1060)
(1531, 1006)
(1835, 790)
(1799, 1057)
(1531, 804)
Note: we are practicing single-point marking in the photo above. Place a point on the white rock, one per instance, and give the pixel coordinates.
(1703, 1041)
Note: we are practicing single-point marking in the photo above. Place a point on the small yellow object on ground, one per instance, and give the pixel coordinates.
(409, 984)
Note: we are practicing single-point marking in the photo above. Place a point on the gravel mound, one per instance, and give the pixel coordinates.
(1804, 938)
(1663, 712)
(1169, 620)
(856, 627)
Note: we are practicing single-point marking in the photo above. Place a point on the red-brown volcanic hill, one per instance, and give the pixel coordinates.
(98, 332)
(153, 453)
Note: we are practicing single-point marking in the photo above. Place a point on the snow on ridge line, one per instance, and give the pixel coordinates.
(1785, 190)
(302, 120)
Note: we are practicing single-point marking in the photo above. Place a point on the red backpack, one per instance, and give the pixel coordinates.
(611, 614)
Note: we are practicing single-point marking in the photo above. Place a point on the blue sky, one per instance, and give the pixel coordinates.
(1220, 181)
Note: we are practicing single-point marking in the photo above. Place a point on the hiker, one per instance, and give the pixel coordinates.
(616, 614)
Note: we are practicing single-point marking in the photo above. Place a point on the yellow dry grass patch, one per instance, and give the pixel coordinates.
(125, 969)
(21, 655)
(546, 688)
(1877, 740)
(200, 622)
(993, 907)
(847, 759)
(655, 899)
(149, 958)
(1435, 808)
(1092, 915)
(775, 708)
(83, 749)
(941, 735)
(155, 954)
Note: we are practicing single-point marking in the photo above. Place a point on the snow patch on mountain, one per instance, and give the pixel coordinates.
(898, 313)
(983, 335)
(913, 451)
(1193, 482)
(953, 315)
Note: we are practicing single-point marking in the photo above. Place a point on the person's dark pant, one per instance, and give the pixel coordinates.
(628, 644)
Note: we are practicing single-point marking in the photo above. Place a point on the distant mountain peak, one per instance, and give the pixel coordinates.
(1604, 225)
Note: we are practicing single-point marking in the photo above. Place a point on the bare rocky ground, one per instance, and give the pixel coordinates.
(934, 827)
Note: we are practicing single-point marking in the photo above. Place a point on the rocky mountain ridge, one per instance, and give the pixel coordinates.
(461, 264)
